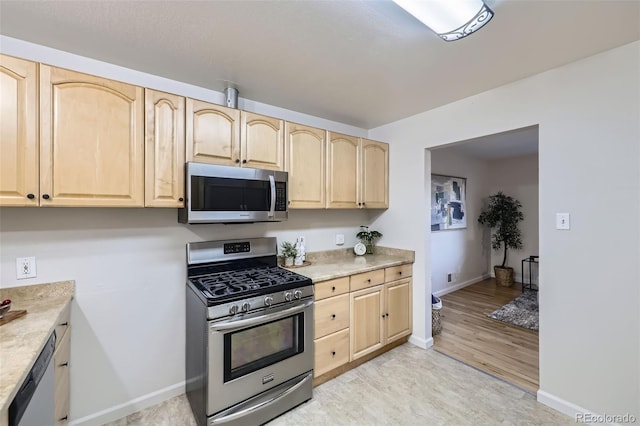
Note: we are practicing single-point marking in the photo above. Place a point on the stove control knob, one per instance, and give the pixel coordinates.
(268, 301)
(287, 296)
(297, 294)
(233, 309)
(245, 307)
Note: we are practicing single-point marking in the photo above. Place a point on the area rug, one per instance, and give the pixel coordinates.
(521, 311)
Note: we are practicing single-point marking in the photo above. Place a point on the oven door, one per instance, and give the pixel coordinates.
(253, 353)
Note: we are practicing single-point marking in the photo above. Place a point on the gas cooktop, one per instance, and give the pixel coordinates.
(235, 284)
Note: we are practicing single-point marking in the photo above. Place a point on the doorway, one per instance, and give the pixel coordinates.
(462, 259)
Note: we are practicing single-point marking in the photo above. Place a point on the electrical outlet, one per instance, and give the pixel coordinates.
(26, 267)
(339, 239)
(448, 278)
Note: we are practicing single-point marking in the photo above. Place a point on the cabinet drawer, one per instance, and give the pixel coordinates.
(331, 288)
(367, 279)
(398, 272)
(331, 352)
(63, 324)
(331, 315)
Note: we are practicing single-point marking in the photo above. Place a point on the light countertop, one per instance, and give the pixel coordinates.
(341, 263)
(22, 339)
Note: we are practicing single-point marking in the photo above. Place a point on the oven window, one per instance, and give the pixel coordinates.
(254, 348)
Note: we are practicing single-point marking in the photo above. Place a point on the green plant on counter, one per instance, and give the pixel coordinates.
(368, 237)
(288, 250)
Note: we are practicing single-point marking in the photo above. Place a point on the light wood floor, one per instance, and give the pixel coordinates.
(500, 349)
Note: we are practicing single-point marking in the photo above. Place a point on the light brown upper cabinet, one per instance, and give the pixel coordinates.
(374, 193)
(343, 171)
(91, 140)
(305, 160)
(164, 149)
(358, 173)
(230, 137)
(262, 141)
(19, 180)
(213, 133)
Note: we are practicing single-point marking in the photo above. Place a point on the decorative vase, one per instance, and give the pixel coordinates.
(288, 261)
(370, 248)
(504, 276)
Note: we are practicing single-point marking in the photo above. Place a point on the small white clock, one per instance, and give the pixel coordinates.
(359, 249)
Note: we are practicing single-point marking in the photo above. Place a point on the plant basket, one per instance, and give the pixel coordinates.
(504, 276)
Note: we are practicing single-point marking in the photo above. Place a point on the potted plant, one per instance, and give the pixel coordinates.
(368, 238)
(289, 252)
(502, 215)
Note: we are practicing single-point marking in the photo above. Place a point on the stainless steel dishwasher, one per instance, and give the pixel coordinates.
(34, 404)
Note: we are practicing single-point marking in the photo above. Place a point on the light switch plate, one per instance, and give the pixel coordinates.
(563, 221)
(339, 239)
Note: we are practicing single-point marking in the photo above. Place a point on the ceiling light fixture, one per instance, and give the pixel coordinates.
(450, 19)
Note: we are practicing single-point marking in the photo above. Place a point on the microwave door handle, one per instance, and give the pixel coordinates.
(272, 209)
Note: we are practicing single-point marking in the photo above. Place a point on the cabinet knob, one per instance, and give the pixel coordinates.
(382, 316)
(368, 281)
(333, 288)
(64, 364)
(46, 196)
(62, 418)
(400, 273)
(244, 161)
(333, 316)
(31, 196)
(237, 160)
(181, 199)
(333, 353)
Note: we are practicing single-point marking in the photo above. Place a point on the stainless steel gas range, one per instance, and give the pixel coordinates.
(249, 336)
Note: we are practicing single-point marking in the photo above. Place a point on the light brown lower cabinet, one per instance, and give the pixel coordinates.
(61, 368)
(361, 314)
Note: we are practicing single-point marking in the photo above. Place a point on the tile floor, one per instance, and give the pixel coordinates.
(405, 386)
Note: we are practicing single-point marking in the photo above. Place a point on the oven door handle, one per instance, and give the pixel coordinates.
(264, 404)
(272, 209)
(242, 323)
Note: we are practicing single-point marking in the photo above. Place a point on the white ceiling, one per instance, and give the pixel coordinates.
(514, 143)
(364, 63)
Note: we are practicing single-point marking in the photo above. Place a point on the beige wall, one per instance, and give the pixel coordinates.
(589, 159)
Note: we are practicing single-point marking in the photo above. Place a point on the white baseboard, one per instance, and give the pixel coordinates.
(561, 405)
(122, 410)
(460, 285)
(420, 342)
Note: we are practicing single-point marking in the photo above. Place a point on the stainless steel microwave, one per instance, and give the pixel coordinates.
(225, 194)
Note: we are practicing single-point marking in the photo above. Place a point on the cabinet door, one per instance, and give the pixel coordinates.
(61, 373)
(343, 169)
(375, 174)
(367, 333)
(305, 160)
(91, 146)
(19, 180)
(164, 149)
(398, 313)
(213, 133)
(262, 141)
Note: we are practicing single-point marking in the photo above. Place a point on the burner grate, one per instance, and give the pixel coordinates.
(246, 281)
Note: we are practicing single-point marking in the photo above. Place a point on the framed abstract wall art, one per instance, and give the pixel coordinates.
(448, 205)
